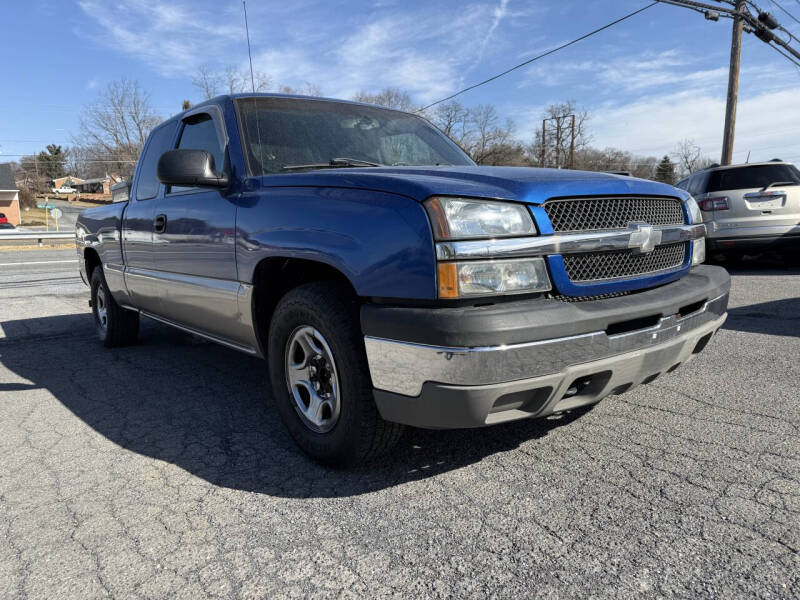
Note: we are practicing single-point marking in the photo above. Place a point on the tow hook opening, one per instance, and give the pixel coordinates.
(577, 386)
(587, 385)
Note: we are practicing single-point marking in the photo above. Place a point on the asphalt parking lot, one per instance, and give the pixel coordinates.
(162, 471)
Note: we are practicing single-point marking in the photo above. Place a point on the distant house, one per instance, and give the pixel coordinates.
(9, 195)
(67, 181)
(97, 185)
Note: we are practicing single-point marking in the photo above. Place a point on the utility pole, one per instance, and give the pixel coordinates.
(561, 128)
(558, 143)
(541, 162)
(733, 84)
(743, 20)
(572, 145)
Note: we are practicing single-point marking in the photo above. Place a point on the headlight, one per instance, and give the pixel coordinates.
(492, 277)
(694, 211)
(699, 245)
(463, 218)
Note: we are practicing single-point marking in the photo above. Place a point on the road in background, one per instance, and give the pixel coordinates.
(69, 216)
(34, 273)
(163, 470)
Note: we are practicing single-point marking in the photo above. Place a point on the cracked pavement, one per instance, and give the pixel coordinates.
(162, 470)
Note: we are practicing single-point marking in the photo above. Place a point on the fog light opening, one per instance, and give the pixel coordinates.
(701, 343)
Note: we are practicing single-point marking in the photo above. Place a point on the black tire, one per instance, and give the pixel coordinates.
(116, 326)
(358, 433)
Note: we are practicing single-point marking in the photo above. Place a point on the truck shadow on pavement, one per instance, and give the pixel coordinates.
(209, 410)
(777, 317)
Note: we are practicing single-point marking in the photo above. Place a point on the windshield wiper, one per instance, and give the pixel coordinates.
(334, 163)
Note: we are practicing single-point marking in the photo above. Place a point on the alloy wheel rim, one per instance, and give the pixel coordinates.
(102, 308)
(312, 379)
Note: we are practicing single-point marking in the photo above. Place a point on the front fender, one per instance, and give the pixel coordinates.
(381, 242)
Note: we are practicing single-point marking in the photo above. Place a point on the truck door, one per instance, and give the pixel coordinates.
(194, 240)
(137, 224)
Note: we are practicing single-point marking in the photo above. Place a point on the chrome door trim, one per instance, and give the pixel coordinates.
(568, 243)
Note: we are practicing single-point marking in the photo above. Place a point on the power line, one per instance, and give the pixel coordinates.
(786, 11)
(789, 58)
(535, 58)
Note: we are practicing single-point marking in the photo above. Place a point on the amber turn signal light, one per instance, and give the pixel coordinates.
(448, 280)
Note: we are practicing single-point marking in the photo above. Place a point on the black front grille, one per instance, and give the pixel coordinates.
(573, 299)
(598, 266)
(592, 214)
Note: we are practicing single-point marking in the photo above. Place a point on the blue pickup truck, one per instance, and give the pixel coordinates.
(387, 280)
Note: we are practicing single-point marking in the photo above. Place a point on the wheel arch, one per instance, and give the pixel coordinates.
(91, 259)
(273, 277)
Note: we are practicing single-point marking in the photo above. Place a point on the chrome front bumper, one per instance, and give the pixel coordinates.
(404, 368)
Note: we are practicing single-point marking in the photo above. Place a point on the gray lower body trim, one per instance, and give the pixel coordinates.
(207, 336)
(403, 368)
(218, 309)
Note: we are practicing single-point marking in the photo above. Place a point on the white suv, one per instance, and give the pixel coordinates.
(748, 207)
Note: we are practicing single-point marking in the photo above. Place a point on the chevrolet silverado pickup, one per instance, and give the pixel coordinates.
(387, 280)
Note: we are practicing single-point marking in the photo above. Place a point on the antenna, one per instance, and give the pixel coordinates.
(249, 54)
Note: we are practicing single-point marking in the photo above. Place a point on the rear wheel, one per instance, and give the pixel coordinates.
(116, 326)
(320, 378)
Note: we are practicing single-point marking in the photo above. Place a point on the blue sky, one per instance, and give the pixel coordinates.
(648, 82)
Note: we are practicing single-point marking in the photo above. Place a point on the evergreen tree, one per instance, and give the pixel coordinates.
(665, 171)
(51, 163)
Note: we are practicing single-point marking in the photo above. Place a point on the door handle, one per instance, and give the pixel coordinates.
(160, 224)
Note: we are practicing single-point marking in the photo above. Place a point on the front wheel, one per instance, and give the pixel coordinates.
(116, 326)
(320, 378)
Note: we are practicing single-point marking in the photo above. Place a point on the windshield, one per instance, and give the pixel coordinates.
(757, 176)
(280, 135)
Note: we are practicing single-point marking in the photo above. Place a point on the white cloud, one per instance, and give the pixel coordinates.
(497, 16)
(422, 52)
(170, 38)
(767, 124)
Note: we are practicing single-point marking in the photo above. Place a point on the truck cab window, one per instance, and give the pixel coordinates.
(200, 133)
(147, 184)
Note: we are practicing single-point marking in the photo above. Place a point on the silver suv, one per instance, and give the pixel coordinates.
(748, 207)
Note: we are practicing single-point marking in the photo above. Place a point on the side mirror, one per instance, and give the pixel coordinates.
(191, 168)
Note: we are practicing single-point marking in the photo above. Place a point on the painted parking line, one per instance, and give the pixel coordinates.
(38, 262)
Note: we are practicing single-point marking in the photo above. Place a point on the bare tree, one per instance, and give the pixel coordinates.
(454, 120)
(114, 128)
(689, 158)
(208, 81)
(390, 97)
(308, 89)
(487, 136)
(230, 80)
(615, 159)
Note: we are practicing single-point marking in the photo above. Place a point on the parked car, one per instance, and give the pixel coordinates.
(3, 218)
(387, 279)
(748, 207)
(64, 190)
(6, 227)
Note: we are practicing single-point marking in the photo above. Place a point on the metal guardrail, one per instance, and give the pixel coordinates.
(39, 236)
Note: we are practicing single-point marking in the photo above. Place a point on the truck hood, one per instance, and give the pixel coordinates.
(523, 184)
